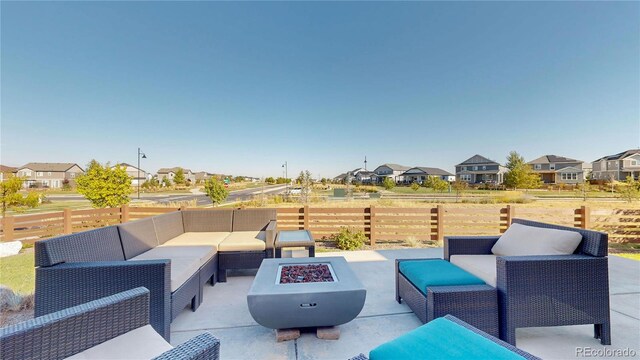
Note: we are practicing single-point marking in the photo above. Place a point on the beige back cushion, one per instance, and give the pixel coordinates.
(522, 240)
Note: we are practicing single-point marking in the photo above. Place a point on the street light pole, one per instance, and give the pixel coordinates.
(138, 179)
(286, 176)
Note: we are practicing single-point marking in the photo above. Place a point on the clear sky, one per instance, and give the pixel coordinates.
(241, 88)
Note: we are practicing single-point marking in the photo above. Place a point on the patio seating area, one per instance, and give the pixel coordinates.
(224, 313)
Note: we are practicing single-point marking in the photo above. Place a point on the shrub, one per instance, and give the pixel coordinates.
(415, 186)
(388, 183)
(349, 239)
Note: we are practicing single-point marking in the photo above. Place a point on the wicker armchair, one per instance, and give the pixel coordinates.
(71, 331)
(536, 291)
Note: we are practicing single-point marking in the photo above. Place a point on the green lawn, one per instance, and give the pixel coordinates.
(18, 272)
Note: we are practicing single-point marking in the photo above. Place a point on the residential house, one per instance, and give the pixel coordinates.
(617, 166)
(202, 176)
(170, 173)
(6, 171)
(49, 175)
(420, 174)
(555, 169)
(478, 169)
(364, 177)
(392, 171)
(340, 178)
(138, 176)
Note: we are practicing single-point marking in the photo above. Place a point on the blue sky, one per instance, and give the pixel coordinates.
(242, 87)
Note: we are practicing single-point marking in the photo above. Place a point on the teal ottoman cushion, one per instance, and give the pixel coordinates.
(441, 339)
(436, 272)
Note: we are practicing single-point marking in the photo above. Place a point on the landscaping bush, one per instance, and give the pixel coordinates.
(349, 239)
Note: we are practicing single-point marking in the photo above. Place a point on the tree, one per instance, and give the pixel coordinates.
(415, 186)
(306, 184)
(281, 180)
(388, 183)
(216, 190)
(630, 190)
(238, 179)
(270, 180)
(584, 188)
(178, 177)
(11, 198)
(437, 184)
(520, 175)
(105, 186)
(166, 182)
(323, 181)
(459, 187)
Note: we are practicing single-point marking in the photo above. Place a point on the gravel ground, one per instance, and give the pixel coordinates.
(14, 317)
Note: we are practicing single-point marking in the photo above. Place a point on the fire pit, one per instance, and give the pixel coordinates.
(305, 273)
(309, 292)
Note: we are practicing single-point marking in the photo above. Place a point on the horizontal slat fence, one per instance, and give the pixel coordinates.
(379, 224)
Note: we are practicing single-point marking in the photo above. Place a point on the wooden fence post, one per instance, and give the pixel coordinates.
(306, 217)
(124, 213)
(372, 227)
(66, 221)
(7, 227)
(440, 223)
(585, 217)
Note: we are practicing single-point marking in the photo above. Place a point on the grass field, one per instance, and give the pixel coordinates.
(18, 273)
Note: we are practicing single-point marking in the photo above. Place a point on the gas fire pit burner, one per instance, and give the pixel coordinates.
(305, 273)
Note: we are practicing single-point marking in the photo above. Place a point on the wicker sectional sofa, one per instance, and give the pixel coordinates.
(173, 255)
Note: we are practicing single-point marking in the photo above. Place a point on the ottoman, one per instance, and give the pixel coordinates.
(433, 288)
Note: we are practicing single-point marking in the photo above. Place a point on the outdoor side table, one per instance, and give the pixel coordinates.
(295, 238)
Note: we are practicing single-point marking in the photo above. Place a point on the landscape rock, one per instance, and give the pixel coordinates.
(10, 248)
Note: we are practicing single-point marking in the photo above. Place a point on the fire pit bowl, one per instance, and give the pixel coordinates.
(305, 292)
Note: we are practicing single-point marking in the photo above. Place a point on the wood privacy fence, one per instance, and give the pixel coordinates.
(380, 224)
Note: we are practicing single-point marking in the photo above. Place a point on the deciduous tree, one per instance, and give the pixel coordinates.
(630, 190)
(178, 177)
(304, 179)
(216, 190)
(388, 183)
(105, 186)
(520, 175)
(12, 199)
(459, 187)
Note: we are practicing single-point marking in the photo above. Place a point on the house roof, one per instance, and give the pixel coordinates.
(478, 159)
(54, 167)
(365, 173)
(549, 159)
(570, 169)
(430, 171)
(340, 177)
(7, 169)
(395, 167)
(621, 155)
(128, 165)
(173, 170)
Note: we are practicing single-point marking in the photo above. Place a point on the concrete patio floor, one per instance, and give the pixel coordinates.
(224, 314)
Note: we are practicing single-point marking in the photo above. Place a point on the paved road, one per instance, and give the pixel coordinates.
(201, 198)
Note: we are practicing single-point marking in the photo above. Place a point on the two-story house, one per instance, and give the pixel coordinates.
(420, 173)
(617, 166)
(138, 176)
(49, 175)
(392, 171)
(6, 172)
(555, 169)
(202, 176)
(478, 169)
(170, 173)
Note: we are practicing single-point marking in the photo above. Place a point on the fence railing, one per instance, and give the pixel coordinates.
(379, 224)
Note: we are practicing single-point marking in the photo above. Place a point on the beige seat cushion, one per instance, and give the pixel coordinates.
(203, 252)
(182, 268)
(482, 266)
(141, 343)
(244, 241)
(198, 238)
(523, 240)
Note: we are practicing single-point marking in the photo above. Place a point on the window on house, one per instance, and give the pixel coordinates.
(49, 173)
(39, 173)
(464, 168)
(73, 175)
(537, 166)
(552, 166)
(475, 168)
(484, 167)
(465, 177)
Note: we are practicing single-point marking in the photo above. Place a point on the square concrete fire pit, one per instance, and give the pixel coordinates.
(287, 293)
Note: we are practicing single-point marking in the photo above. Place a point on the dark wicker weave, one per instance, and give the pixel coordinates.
(70, 331)
(66, 285)
(168, 226)
(209, 220)
(208, 274)
(188, 294)
(239, 260)
(475, 304)
(548, 290)
(510, 347)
